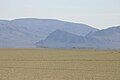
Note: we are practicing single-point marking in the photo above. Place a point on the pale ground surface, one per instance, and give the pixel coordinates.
(59, 64)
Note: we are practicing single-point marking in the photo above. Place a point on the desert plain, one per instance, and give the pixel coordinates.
(59, 64)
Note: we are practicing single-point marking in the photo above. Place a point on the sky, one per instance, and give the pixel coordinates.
(97, 13)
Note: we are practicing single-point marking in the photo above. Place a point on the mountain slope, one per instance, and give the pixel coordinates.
(61, 39)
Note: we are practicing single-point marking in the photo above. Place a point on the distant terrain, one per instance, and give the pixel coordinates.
(50, 33)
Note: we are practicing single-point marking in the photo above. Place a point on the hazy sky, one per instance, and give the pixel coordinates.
(97, 13)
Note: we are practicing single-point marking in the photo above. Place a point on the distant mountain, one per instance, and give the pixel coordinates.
(30, 32)
(50, 25)
(61, 39)
(102, 39)
(110, 37)
(20, 33)
(110, 34)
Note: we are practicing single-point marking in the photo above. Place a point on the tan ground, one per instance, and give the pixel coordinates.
(59, 64)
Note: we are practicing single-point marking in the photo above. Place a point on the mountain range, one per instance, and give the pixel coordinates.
(102, 39)
(51, 33)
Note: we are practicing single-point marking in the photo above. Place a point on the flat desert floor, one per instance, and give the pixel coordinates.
(59, 64)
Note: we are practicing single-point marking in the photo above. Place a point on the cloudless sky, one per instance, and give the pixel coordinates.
(97, 13)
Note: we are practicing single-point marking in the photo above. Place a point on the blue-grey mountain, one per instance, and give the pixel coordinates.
(109, 37)
(102, 39)
(24, 33)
